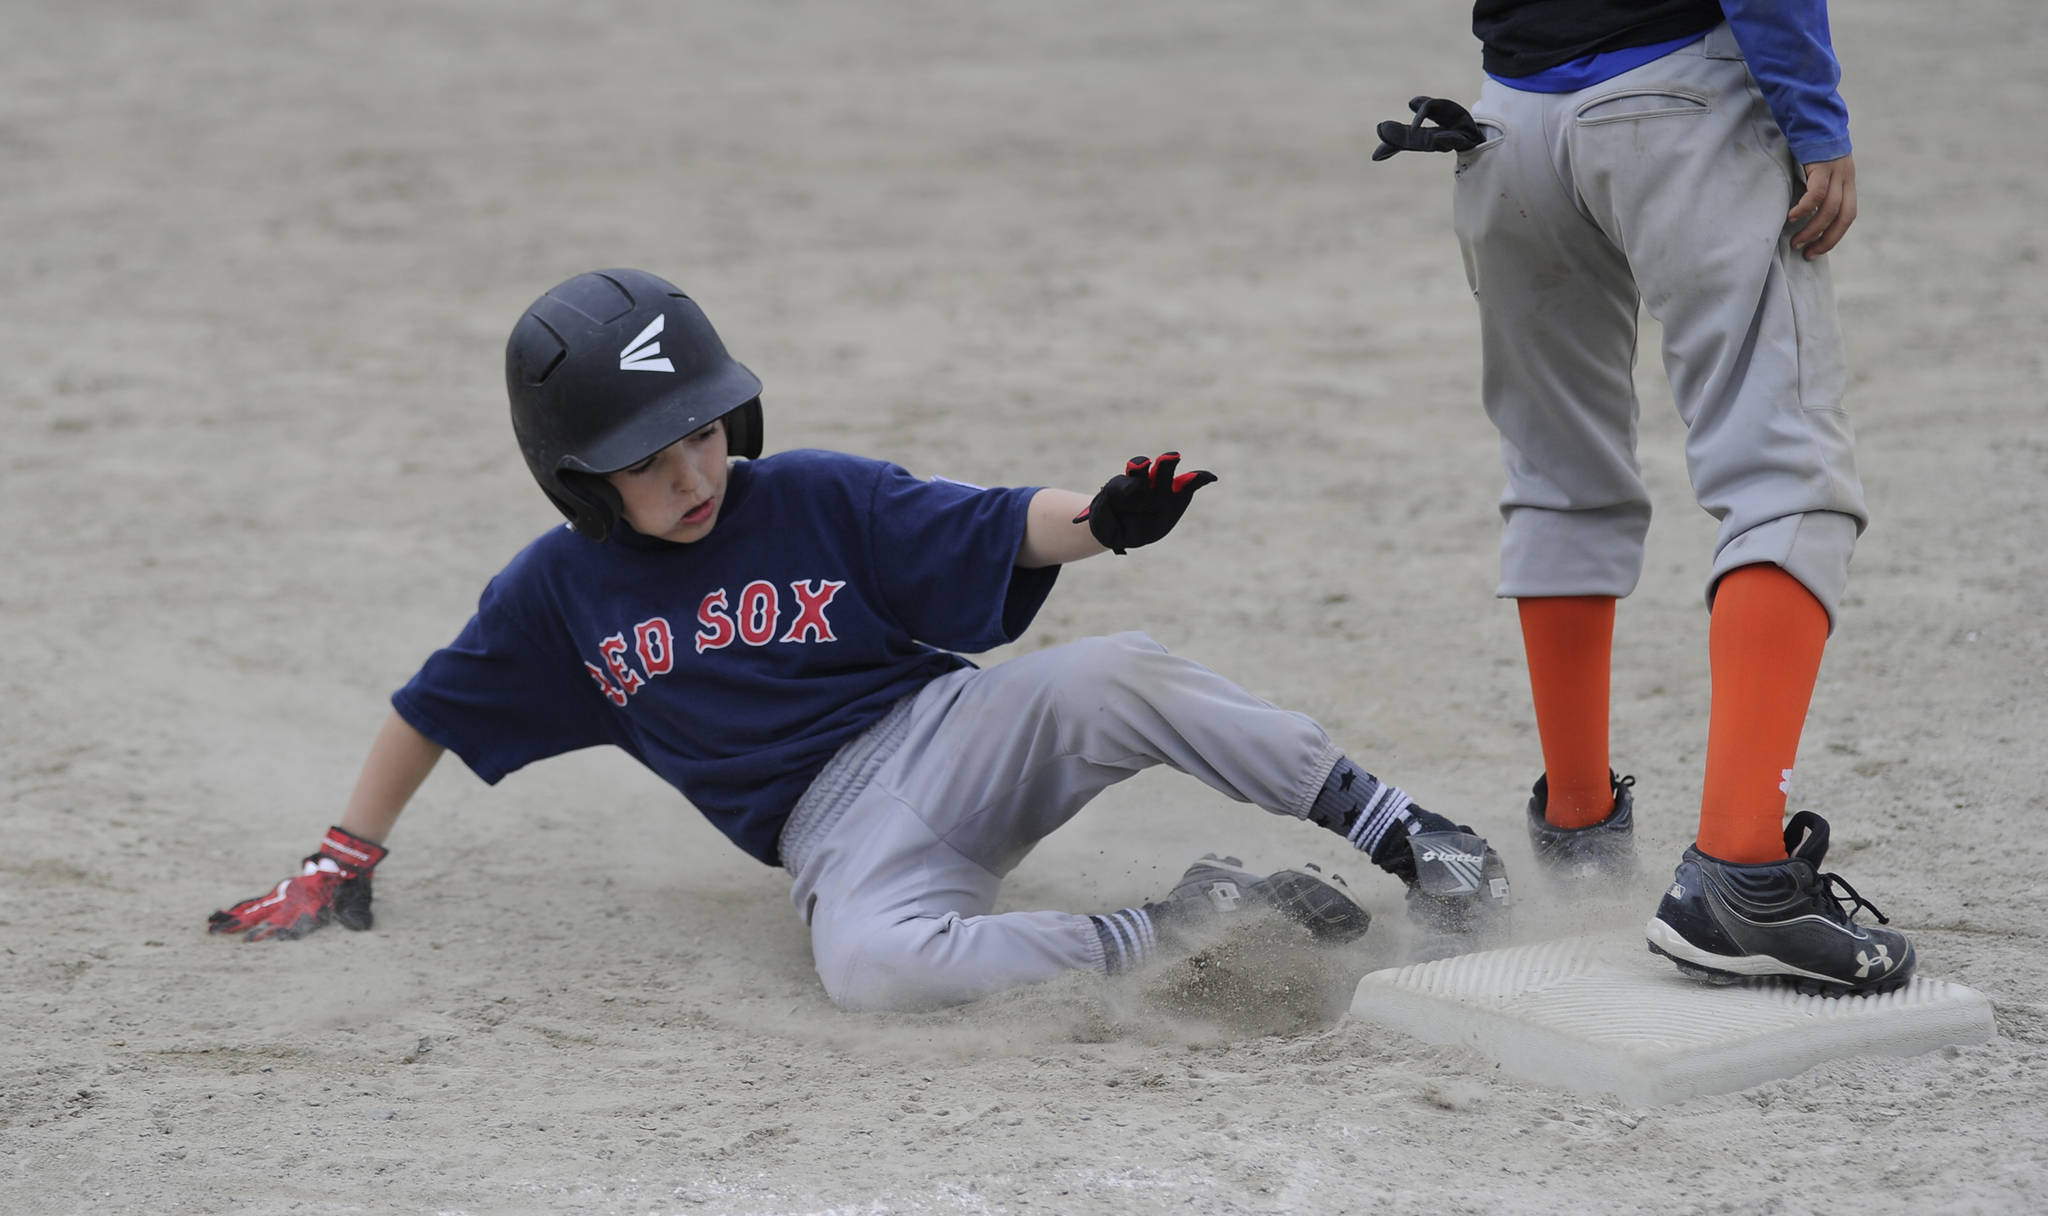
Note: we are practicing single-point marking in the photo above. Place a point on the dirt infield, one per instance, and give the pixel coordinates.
(259, 264)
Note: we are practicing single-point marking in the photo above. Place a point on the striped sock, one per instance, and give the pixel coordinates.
(1128, 940)
(1360, 807)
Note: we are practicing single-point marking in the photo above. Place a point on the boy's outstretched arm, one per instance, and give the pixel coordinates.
(400, 758)
(1136, 507)
(334, 883)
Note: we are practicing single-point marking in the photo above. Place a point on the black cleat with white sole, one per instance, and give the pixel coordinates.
(1722, 922)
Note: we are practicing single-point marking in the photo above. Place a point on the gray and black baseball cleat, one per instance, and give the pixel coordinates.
(1216, 889)
(1722, 922)
(1603, 853)
(1458, 897)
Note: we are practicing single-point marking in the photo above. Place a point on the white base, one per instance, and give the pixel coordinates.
(1593, 1016)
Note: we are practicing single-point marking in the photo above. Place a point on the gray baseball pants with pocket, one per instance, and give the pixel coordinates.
(1667, 185)
(899, 845)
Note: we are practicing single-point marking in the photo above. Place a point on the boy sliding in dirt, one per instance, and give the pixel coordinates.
(776, 637)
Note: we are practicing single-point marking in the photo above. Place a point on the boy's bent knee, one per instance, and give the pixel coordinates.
(900, 968)
(1107, 662)
(1109, 651)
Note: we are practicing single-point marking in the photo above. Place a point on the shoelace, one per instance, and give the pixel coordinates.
(1832, 883)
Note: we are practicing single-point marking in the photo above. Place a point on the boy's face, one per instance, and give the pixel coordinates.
(675, 494)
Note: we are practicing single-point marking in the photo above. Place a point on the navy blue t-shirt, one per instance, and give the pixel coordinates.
(735, 666)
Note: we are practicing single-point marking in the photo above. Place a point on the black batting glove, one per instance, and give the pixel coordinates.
(1454, 130)
(1141, 504)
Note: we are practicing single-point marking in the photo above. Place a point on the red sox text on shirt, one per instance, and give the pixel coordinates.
(754, 617)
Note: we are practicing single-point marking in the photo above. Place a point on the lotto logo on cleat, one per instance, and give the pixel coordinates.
(1881, 960)
(643, 353)
(1453, 871)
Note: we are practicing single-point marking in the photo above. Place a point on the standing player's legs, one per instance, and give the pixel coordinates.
(1754, 355)
(898, 879)
(1557, 310)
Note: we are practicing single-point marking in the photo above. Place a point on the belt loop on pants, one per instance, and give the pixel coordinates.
(1719, 43)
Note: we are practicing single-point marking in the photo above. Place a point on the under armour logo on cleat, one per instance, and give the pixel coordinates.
(643, 353)
(1883, 958)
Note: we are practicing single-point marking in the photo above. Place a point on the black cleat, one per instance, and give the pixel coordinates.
(1320, 904)
(1723, 921)
(1217, 889)
(1458, 895)
(1600, 854)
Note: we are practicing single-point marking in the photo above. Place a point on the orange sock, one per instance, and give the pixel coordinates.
(1570, 644)
(1764, 644)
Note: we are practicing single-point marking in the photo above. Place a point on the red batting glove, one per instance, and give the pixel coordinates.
(334, 884)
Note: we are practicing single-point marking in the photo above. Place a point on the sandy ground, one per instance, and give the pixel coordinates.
(259, 262)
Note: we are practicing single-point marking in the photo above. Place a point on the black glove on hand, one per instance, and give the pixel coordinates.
(1455, 131)
(333, 884)
(1141, 504)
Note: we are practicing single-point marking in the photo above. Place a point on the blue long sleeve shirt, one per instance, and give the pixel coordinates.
(1789, 49)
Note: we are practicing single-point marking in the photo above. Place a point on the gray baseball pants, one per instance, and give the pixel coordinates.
(1666, 185)
(899, 845)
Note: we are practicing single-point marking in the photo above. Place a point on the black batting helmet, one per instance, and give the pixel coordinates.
(607, 369)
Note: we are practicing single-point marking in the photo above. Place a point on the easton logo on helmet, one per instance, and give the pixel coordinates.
(643, 353)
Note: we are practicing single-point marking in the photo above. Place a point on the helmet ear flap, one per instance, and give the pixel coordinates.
(590, 502)
(743, 430)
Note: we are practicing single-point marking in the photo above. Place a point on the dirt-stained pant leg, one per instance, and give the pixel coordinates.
(1672, 180)
(1557, 312)
(898, 887)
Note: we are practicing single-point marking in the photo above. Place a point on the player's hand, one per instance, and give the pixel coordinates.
(1828, 207)
(1455, 131)
(332, 884)
(1141, 504)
